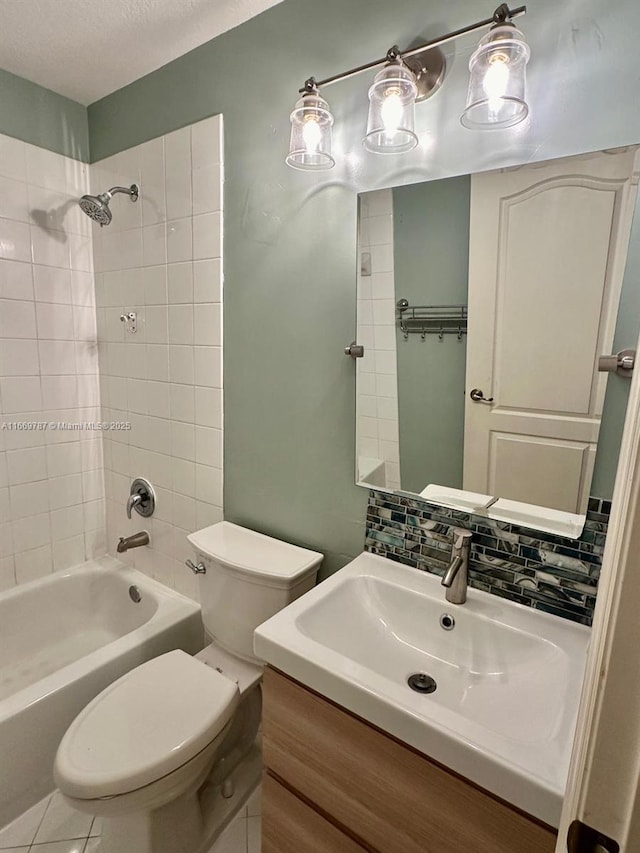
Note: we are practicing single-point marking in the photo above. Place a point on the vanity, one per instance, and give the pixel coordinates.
(395, 720)
(335, 783)
(357, 760)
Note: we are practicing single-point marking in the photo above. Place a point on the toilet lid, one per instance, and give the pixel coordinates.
(144, 726)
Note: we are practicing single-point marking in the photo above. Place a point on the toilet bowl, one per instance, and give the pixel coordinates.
(168, 754)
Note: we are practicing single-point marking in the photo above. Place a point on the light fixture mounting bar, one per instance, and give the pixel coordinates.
(502, 13)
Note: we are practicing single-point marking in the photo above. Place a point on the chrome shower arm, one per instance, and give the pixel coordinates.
(130, 191)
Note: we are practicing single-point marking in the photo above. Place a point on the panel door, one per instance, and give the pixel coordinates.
(547, 253)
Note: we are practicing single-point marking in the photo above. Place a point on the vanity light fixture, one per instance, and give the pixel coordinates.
(311, 121)
(496, 96)
(392, 99)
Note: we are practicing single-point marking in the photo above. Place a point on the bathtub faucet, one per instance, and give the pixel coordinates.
(136, 540)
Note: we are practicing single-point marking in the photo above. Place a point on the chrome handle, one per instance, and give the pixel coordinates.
(142, 498)
(621, 363)
(132, 501)
(478, 396)
(197, 569)
(354, 350)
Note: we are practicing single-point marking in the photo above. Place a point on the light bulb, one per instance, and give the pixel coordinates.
(311, 134)
(392, 112)
(496, 80)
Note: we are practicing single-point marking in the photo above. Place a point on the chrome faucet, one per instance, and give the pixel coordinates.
(136, 540)
(457, 575)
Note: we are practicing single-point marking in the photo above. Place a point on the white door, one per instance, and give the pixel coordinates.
(601, 811)
(547, 252)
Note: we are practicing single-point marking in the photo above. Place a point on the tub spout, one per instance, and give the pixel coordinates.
(137, 540)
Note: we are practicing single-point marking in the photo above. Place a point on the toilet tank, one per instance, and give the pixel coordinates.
(249, 578)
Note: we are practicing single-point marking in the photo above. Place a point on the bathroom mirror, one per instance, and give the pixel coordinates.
(484, 304)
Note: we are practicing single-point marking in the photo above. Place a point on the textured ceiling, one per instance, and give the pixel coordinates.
(85, 49)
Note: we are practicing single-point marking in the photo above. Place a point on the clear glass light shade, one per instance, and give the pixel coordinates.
(392, 99)
(310, 145)
(496, 96)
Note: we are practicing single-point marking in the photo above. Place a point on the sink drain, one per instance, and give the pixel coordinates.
(422, 683)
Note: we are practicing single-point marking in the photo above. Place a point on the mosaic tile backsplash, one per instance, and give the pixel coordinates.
(544, 571)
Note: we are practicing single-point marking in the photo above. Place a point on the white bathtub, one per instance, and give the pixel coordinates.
(63, 639)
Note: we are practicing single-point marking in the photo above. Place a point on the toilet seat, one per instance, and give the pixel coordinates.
(144, 726)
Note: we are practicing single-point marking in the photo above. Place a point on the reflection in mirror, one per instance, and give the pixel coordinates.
(484, 304)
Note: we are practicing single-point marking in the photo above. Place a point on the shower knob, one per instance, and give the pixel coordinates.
(142, 498)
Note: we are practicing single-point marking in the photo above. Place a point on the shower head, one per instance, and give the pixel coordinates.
(97, 206)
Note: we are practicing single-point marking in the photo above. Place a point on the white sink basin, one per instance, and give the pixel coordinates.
(508, 677)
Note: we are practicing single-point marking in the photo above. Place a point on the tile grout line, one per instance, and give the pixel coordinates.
(37, 829)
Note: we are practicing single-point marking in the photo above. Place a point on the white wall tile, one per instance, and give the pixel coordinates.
(183, 440)
(155, 285)
(209, 407)
(13, 199)
(209, 485)
(39, 357)
(154, 245)
(206, 189)
(30, 532)
(179, 240)
(180, 282)
(178, 173)
(206, 142)
(52, 284)
(207, 236)
(55, 322)
(181, 364)
(16, 240)
(12, 158)
(209, 446)
(19, 358)
(57, 357)
(65, 490)
(168, 377)
(181, 324)
(17, 319)
(207, 280)
(21, 394)
(208, 366)
(208, 325)
(15, 278)
(68, 552)
(50, 248)
(26, 466)
(33, 564)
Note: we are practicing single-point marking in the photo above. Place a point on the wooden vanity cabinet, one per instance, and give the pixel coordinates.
(335, 784)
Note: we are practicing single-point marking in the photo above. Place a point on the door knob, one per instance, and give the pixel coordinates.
(478, 396)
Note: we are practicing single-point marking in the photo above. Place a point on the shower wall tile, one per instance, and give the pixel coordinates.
(48, 368)
(377, 397)
(166, 380)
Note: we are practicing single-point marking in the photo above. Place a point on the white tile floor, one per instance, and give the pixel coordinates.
(52, 827)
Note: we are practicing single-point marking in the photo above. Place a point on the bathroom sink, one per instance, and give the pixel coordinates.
(507, 678)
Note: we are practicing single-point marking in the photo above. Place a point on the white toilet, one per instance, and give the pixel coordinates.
(167, 754)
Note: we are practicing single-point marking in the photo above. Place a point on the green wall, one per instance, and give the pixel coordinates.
(290, 238)
(431, 267)
(37, 115)
(617, 396)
